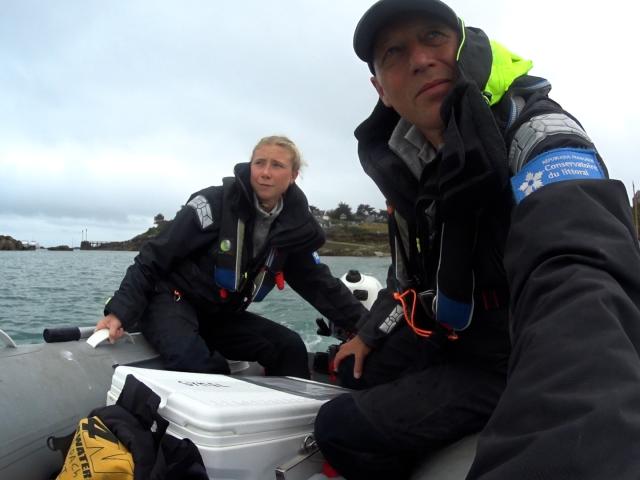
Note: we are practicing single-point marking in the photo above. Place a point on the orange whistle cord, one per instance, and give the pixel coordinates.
(410, 318)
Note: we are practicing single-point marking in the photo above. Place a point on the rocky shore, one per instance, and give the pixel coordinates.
(10, 243)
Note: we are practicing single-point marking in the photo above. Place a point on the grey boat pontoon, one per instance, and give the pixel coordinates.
(46, 388)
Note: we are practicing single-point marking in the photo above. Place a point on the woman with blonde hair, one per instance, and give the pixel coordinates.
(188, 289)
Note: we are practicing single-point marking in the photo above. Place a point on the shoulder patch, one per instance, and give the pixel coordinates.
(203, 210)
(392, 321)
(537, 129)
(316, 258)
(558, 165)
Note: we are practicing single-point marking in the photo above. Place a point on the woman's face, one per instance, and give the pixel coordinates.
(271, 174)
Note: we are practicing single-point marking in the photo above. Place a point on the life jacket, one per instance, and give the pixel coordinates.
(470, 178)
(233, 272)
(436, 255)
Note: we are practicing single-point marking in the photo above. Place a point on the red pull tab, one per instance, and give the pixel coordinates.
(333, 378)
(223, 294)
(329, 471)
(279, 280)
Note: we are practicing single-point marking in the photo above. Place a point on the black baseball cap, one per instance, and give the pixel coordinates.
(385, 11)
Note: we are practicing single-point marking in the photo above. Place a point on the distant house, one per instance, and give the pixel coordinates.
(322, 219)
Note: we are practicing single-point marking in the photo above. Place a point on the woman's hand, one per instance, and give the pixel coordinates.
(358, 349)
(114, 325)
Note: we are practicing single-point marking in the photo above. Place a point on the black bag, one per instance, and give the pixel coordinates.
(130, 427)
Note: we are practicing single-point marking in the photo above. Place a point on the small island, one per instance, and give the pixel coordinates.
(61, 248)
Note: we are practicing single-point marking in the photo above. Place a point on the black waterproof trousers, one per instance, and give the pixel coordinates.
(192, 341)
(419, 395)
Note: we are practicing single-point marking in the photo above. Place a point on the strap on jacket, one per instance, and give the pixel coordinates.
(230, 249)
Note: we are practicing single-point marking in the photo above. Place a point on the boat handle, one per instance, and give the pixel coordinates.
(8, 341)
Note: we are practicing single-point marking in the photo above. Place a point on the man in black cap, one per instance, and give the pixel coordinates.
(514, 296)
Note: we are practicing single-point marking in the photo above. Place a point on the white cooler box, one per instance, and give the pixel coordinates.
(244, 427)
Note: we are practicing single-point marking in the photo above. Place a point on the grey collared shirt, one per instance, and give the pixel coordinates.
(415, 150)
(262, 223)
(411, 146)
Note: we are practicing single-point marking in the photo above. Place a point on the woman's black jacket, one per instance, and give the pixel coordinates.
(186, 255)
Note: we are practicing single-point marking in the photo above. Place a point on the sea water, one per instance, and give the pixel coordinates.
(42, 288)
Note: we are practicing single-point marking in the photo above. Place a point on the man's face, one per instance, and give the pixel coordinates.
(415, 64)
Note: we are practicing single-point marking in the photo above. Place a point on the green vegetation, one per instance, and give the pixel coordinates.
(356, 239)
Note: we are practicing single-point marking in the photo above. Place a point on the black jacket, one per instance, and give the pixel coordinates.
(569, 254)
(187, 254)
(415, 248)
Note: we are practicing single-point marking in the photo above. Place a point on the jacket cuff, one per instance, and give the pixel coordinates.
(368, 332)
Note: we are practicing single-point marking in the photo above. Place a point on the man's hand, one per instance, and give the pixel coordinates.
(114, 325)
(358, 349)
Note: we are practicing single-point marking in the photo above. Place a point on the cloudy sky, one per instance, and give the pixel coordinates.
(112, 111)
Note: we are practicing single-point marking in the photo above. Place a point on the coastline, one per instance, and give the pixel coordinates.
(343, 239)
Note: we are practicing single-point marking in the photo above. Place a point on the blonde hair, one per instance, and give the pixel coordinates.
(287, 144)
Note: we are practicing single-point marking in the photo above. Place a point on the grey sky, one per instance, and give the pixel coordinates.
(113, 111)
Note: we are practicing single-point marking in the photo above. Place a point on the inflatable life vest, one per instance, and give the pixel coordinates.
(232, 273)
(448, 286)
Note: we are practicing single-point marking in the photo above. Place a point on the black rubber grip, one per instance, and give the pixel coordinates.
(61, 334)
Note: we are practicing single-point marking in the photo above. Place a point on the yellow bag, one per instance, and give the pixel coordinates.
(96, 453)
(127, 441)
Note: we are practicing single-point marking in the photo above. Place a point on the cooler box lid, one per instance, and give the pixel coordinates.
(219, 410)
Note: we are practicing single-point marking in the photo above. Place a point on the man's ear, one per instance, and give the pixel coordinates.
(294, 175)
(380, 90)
